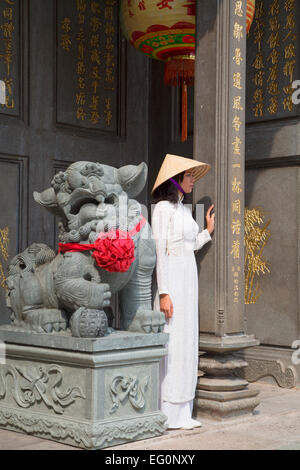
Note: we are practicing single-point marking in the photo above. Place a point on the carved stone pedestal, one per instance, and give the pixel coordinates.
(89, 393)
(220, 392)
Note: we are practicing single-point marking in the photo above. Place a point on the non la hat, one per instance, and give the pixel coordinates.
(174, 164)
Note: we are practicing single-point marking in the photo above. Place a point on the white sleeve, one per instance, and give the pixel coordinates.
(160, 225)
(202, 238)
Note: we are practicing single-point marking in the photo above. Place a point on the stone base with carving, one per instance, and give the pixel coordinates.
(221, 391)
(270, 364)
(89, 393)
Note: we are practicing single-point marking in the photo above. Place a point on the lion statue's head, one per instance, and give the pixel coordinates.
(90, 198)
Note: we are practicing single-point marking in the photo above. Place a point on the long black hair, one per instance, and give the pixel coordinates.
(167, 191)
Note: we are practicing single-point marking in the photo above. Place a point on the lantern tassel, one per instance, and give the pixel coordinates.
(184, 106)
(180, 72)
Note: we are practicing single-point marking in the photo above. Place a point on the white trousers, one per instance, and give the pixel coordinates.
(178, 414)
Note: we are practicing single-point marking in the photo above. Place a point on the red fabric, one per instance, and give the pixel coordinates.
(113, 251)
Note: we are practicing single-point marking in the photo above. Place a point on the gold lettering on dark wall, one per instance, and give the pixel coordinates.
(9, 54)
(289, 42)
(4, 246)
(65, 30)
(87, 57)
(272, 64)
(237, 74)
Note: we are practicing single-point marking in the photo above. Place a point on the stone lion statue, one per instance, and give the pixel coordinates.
(49, 292)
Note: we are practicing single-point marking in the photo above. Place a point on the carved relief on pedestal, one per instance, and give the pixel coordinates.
(82, 435)
(128, 387)
(31, 385)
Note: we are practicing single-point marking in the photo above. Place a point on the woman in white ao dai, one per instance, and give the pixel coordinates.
(177, 237)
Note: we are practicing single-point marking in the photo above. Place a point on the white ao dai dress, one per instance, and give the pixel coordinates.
(177, 236)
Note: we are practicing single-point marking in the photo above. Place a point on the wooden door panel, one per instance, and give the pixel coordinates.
(13, 210)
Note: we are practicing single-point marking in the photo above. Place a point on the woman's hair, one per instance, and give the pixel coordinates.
(167, 191)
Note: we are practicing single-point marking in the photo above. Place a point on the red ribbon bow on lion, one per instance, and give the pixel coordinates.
(113, 250)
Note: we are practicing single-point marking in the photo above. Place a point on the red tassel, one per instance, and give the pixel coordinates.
(184, 106)
(180, 72)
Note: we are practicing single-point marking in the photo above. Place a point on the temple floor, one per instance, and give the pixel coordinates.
(275, 425)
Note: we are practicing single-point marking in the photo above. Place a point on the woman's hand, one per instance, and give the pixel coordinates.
(210, 220)
(166, 305)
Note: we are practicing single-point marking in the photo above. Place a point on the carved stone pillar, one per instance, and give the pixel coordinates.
(219, 139)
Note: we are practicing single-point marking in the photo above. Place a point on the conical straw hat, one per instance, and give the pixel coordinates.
(173, 164)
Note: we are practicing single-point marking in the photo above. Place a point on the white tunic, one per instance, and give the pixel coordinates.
(176, 236)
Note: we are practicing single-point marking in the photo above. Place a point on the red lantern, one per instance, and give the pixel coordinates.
(250, 14)
(165, 30)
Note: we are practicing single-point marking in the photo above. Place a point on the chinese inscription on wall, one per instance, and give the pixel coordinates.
(87, 59)
(9, 54)
(272, 63)
(4, 245)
